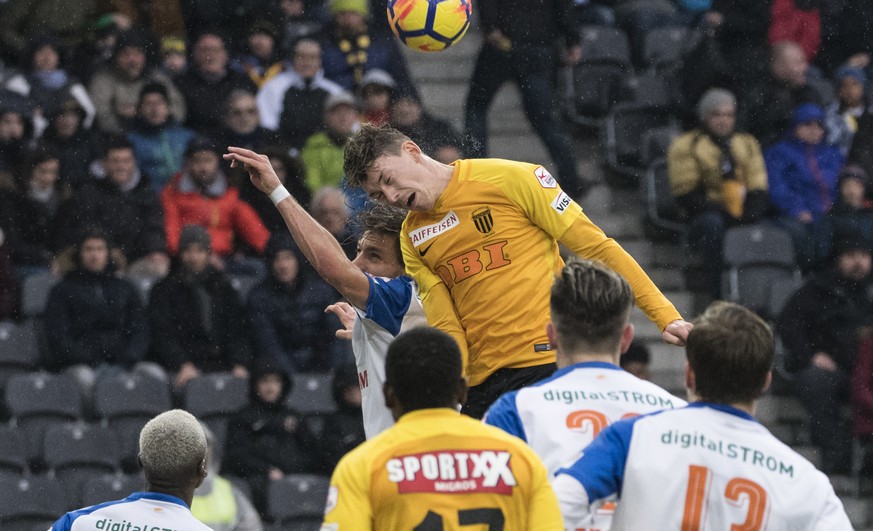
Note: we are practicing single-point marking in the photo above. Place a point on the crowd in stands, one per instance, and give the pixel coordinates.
(113, 116)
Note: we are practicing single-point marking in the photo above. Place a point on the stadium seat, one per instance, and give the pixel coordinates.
(312, 394)
(662, 212)
(19, 349)
(38, 400)
(663, 48)
(110, 487)
(757, 258)
(297, 497)
(126, 403)
(13, 458)
(26, 502)
(650, 89)
(623, 131)
(214, 398)
(216, 395)
(132, 395)
(35, 292)
(589, 86)
(77, 452)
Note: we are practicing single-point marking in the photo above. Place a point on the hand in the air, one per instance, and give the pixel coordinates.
(260, 170)
(346, 315)
(676, 332)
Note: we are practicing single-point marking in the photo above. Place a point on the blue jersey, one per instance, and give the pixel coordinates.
(141, 511)
(705, 466)
(392, 307)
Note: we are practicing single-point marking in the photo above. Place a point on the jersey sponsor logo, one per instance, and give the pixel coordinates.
(363, 380)
(332, 499)
(423, 234)
(545, 178)
(424, 251)
(471, 263)
(108, 524)
(453, 471)
(561, 203)
(483, 220)
(731, 450)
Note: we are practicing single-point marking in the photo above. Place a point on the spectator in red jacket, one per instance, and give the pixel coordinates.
(200, 195)
(862, 396)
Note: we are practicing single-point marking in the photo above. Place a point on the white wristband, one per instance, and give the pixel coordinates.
(279, 194)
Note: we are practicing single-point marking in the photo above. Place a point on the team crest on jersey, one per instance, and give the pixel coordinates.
(545, 178)
(483, 220)
(453, 471)
(423, 234)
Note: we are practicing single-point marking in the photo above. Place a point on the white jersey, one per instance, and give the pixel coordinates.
(561, 415)
(141, 511)
(392, 307)
(705, 466)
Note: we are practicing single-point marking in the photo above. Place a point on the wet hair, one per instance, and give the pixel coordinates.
(730, 349)
(423, 367)
(367, 145)
(590, 307)
(383, 219)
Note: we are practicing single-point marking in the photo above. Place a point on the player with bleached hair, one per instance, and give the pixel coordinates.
(709, 465)
(173, 458)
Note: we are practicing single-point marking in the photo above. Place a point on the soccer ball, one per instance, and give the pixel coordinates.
(429, 25)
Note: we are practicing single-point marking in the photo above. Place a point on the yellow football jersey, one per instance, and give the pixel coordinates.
(437, 470)
(491, 239)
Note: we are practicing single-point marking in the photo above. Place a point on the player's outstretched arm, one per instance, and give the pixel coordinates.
(318, 245)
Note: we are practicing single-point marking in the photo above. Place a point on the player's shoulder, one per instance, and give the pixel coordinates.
(500, 172)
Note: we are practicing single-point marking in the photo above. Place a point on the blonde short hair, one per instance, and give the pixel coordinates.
(172, 444)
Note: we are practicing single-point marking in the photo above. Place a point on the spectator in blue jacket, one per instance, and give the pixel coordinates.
(158, 141)
(287, 315)
(802, 171)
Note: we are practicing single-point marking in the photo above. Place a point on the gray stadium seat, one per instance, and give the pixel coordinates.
(110, 487)
(13, 458)
(757, 258)
(19, 349)
(663, 48)
(662, 212)
(214, 398)
(588, 87)
(35, 293)
(297, 497)
(125, 403)
(312, 394)
(26, 502)
(38, 400)
(77, 452)
(624, 129)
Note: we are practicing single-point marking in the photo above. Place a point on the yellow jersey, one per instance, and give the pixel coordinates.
(491, 240)
(437, 470)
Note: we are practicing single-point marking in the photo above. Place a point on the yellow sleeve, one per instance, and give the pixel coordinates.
(439, 308)
(348, 500)
(546, 205)
(682, 169)
(587, 240)
(756, 171)
(544, 513)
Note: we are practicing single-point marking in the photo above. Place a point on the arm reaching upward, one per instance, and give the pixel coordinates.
(318, 245)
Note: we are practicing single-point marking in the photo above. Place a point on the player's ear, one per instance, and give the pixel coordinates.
(412, 148)
(461, 396)
(690, 381)
(767, 382)
(201, 472)
(552, 334)
(627, 336)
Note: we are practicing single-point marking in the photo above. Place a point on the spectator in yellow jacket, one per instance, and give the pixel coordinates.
(718, 178)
